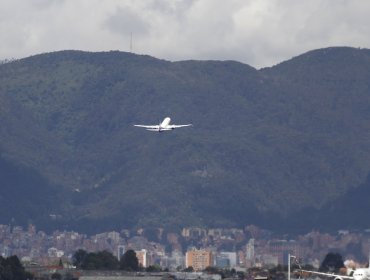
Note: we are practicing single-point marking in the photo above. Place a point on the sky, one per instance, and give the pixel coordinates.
(260, 33)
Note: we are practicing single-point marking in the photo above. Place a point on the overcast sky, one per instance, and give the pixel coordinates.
(256, 32)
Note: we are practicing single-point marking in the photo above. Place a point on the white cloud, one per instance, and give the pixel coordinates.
(256, 32)
(126, 21)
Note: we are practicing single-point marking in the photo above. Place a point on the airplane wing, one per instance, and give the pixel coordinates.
(147, 126)
(328, 274)
(171, 126)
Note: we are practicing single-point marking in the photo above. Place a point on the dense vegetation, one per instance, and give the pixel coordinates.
(102, 260)
(105, 260)
(272, 147)
(12, 269)
(332, 263)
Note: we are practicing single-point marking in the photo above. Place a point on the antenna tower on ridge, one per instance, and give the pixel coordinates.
(131, 42)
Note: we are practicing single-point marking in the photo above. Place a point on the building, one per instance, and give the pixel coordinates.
(282, 248)
(226, 260)
(198, 259)
(269, 260)
(55, 253)
(142, 258)
(121, 249)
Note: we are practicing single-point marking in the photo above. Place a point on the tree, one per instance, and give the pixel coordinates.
(79, 258)
(212, 270)
(189, 269)
(153, 268)
(108, 261)
(101, 260)
(11, 268)
(129, 261)
(332, 263)
(56, 276)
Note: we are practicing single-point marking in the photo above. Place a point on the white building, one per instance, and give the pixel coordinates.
(121, 249)
(55, 253)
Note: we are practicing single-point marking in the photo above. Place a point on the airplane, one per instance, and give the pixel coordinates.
(358, 274)
(163, 126)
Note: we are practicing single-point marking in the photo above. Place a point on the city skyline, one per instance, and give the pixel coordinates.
(243, 248)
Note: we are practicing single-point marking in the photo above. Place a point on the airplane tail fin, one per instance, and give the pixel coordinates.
(350, 271)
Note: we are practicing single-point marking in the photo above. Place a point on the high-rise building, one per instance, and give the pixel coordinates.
(142, 257)
(249, 254)
(198, 259)
(121, 249)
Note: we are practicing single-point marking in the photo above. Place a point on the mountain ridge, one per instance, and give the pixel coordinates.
(264, 142)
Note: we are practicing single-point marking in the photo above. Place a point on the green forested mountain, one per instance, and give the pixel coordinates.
(266, 144)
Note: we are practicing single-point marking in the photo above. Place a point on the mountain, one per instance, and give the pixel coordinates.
(268, 146)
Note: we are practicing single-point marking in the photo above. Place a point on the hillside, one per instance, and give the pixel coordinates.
(265, 143)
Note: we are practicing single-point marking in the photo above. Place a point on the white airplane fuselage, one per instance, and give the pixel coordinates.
(358, 274)
(163, 126)
(361, 274)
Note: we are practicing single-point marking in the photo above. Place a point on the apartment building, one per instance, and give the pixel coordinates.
(198, 259)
